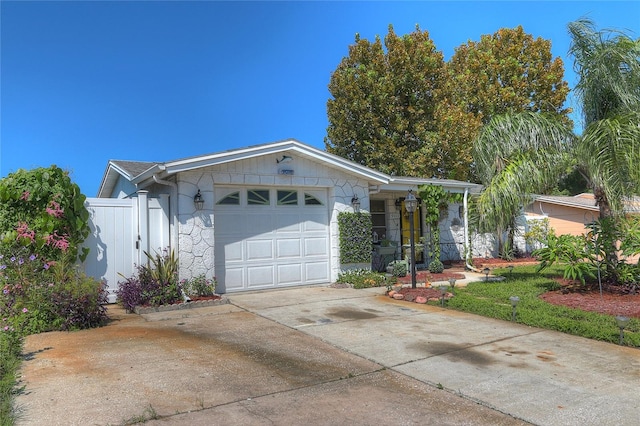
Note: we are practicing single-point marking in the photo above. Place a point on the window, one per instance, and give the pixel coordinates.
(287, 198)
(378, 218)
(258, 197)
(310, 200)
(232, 199)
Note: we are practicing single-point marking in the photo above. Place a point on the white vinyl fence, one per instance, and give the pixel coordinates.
(121, 231)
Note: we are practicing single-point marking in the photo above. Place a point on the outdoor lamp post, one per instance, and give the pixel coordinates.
(452, 283)
(514, 302)
(411, 203)
(486, 273)
(622, 323)
(443, 292)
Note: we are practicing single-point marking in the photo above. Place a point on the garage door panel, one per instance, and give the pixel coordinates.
(259, 250)
(290, 274)
(315, 246)
(232, 251)
(288, 248)
(316, 272)
(233, 278)
(314, 222)
(258, 225)
(287, 222)
(260, 276)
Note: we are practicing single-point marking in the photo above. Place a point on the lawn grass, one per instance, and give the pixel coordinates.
(10, 348)
(491, 299)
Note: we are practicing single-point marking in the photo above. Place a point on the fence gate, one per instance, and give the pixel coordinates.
(121, 230)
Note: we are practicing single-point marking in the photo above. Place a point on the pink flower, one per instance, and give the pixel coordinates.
(25, 195)
(54, 209)
(25, 310)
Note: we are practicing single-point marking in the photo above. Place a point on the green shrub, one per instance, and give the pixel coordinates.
(399, 268)
(355, 237)
(436, 266)
(40, 296)
(199, 286)
(362, 278)
(153, 284)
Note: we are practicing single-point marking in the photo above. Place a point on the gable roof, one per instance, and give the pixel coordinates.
(141, 173)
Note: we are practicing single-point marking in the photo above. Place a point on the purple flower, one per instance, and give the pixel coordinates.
(3, 266)
(46, 266)
(20, 261)
(32, 257)
(13, 258)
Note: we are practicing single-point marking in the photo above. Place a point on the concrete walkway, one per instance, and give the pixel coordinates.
(320, 355)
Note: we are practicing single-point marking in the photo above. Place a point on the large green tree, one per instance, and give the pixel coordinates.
(513, 164)
(508, 72)
(400, 108)
(381, 113)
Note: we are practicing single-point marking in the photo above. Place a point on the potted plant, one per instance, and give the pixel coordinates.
(386, 247)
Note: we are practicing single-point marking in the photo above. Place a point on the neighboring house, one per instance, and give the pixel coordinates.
(566, 215)
(570, 214)
(269, 214)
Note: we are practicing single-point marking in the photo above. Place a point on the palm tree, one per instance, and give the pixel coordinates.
(522, 154)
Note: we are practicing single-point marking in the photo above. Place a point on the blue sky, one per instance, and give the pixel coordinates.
(85, 82)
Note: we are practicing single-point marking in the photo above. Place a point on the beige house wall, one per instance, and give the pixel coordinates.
(564, 219)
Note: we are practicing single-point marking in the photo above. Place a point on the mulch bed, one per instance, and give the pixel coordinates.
(614, 300)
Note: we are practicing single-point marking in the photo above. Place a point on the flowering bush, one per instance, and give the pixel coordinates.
(154, 284)
(39, 296)
(42, 209)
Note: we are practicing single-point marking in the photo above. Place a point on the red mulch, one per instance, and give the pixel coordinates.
(615, 300)
(426, 276)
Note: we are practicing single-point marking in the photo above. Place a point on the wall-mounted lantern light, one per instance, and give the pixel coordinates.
(198, 201)
(355, 203)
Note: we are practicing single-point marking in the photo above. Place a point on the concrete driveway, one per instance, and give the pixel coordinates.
(319, 355)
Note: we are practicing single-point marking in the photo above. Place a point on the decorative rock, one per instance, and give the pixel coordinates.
(421, 299)
(398, 296)
(392, 293)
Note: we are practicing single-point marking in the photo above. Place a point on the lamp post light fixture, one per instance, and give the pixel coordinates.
(514, 302)
(355, 203)
(411, 203)
(622, 323)
(452, 283)
(198, 201)
(486, 271)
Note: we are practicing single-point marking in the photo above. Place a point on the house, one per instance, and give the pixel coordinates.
(566, 214)
(265, 216)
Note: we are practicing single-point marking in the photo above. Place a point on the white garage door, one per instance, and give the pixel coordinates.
(267, 238)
